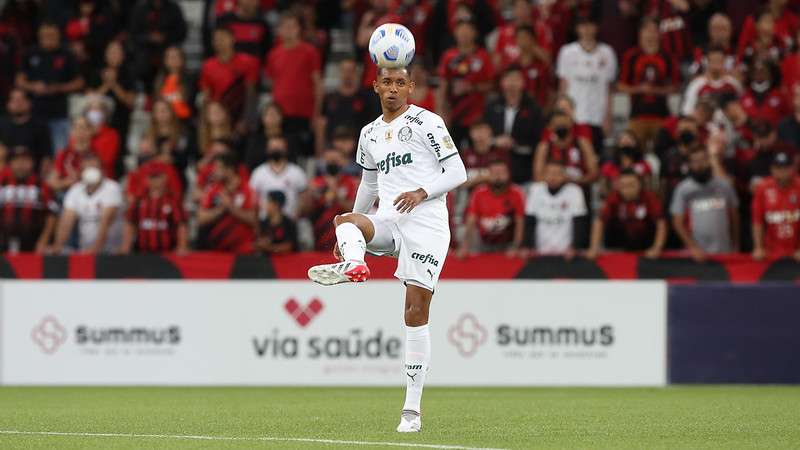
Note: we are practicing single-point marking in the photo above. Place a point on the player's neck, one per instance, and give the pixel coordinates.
(389, 116)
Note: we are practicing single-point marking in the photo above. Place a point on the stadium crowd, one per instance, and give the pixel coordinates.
(254, 152)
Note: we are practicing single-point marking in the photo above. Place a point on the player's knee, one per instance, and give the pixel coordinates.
(416, 313)
(343, 218)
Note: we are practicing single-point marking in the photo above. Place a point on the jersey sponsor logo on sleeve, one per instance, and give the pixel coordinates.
(435, 145)
(394, 160)
(448, 143)
(404, 134)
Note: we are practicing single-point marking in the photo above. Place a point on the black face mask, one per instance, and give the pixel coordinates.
(686, 137)
(702, 176)
(629, 151)
(332, 169)
(554, 191)
(276, 156)
(143, 159)
(561, 132)
(498, 185)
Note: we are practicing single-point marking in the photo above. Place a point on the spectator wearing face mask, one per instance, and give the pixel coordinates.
(627, 156)
(228, 211)
(497, 212)
(278, 174)
(575, 153)
(27, 207)
(95, 205)
(763, 98)
(704, 210)
(329, 195)
(105, 139)
(631, 219)
(776, 211)
(21, 128)
(556, 213)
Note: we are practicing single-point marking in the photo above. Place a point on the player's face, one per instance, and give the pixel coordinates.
(629, 187)
(393, 87)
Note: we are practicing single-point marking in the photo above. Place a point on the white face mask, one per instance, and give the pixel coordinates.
(95, 117)
(91, 176)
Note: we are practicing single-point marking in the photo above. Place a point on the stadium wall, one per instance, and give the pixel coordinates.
(487, 332)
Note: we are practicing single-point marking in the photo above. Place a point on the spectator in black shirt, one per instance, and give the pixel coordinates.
(250, 31)
(115, 80)
(349, 106)
(520, 134)
(276, 232)
(154, 26)
(20, 128)
(49, 72)
(789, 128)
(9, 54)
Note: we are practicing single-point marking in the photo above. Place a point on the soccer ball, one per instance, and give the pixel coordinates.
(391, 45)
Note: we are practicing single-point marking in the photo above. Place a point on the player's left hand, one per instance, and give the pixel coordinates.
(407, 201)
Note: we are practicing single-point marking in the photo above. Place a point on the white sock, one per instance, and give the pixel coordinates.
(351, 242)
(418, 356)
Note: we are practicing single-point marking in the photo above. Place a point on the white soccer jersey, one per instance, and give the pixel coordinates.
(407, 154)
(588, 76)
(554, 214)
(89, 209)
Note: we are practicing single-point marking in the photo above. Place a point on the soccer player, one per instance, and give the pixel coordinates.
(409, 163)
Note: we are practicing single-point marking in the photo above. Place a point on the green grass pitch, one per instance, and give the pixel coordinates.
(722, 417)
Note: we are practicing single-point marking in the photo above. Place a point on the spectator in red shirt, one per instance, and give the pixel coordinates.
(535, 66)
(627, 156)
(105, 139)
(497, 211)
(762, 40)
(150, 154)
(230, 77)
(465, 76)
(649, 74)
(506, 49)
(423, 95)
(67, 166)
(329, 195)
(250, 31)
(776, 211)
(763, 98)
(27, 207)
(205, 167)
(277, 233)
(672, 17)
(631, 219)
(155, 220)
(480, 154)
(227, 214)
(294, 67)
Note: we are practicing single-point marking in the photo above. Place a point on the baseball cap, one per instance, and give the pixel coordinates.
(782, 159)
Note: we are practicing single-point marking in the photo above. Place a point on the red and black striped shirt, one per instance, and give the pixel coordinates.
(228, 233)
(326, 208)
(658, 69)
(674, 28)
(24, 207)
(157, 220)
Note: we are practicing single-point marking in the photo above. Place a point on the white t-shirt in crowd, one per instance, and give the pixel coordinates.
(588, 75)
(89, 208)
(554, 214)
(291, 181)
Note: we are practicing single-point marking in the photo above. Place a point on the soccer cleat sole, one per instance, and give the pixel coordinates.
(327, 276)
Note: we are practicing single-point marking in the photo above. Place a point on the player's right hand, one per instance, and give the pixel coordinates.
(336, 253)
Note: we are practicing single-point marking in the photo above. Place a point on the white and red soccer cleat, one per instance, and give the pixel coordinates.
(343, 272)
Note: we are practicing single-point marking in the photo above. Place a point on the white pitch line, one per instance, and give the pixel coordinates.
(234, 438)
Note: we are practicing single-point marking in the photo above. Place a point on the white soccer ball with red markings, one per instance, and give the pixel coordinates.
(391, 45)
